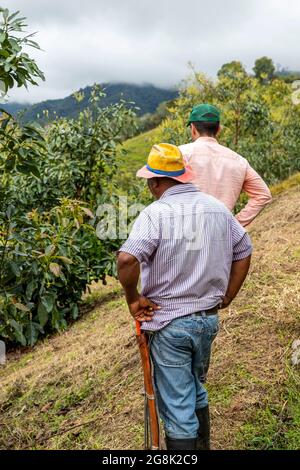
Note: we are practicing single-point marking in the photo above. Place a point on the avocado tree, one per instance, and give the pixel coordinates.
(259, 119)
(16, 66)
(231, 69)
(51, 181)
(264, 69)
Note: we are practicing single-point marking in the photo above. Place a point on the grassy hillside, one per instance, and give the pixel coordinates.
(137, 150)
(81, 389)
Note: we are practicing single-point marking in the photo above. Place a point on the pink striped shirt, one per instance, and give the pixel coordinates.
(224, 174)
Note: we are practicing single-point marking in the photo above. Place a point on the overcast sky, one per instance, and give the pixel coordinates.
(152, 41)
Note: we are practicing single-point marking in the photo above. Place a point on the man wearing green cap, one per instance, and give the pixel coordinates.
(219, 171)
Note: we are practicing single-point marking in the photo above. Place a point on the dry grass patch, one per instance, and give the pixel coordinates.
(81, 389)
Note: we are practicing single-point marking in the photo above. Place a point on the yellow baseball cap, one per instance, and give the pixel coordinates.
(166, 160)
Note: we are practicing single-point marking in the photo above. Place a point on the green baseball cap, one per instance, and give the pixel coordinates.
(204, 113)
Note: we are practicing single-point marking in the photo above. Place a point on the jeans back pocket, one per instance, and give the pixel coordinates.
(173, 347)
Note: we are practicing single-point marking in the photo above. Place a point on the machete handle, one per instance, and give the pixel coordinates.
(138, 328)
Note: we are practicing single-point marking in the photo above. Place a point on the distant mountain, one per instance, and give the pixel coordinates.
(146, 97)
(12, 108)
(288, 76)
(285, 72)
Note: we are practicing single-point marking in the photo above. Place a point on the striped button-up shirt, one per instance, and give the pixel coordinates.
(186, 243)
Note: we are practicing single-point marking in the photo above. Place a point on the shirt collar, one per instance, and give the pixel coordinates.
(206, 139)
(179, 189)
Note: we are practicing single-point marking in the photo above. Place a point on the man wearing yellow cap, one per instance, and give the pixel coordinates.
(218, 170)
(194, 257)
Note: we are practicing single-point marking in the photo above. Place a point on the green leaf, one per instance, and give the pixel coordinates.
(32, 168)
(13, 15)
(10, 162)
(65, 259)
(5, 14)
(31, 287)
(15, 46)
(42, 314)
(48, 301)
(74, 311)
(31, 333)
(18, 329)
(15, 268)
(50, 250)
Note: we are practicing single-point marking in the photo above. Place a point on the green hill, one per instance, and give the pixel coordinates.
(137, 150)
(81, 389)
(145, 97)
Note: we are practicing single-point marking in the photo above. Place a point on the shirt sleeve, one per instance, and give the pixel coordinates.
(241, 242)
(143, 239)
(259, 196)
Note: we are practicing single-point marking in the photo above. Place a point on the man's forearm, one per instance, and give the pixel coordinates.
(141, 308)
(129, 272)
(251, 211)
(239, 271)
(259, 196)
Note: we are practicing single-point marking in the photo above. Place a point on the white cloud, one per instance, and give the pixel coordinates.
(141, 41)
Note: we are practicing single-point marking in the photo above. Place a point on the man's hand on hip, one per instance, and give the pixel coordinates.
(142, 309)
(225, 302)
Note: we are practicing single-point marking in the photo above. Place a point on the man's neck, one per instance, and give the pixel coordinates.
(165, 188)
(205, 137)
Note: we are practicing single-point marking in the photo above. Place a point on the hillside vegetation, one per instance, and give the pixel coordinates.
(81, 389)
(137, 150)
(146, 98)
(81, 386)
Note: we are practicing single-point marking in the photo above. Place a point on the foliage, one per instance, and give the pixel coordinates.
(49, 246)
(264, 69)
(19, 148)
(146, 98)
(51, 182)
(82, 151)
(151, 121)
(48, 261)
(16, 67)
(132, 155)
(259, 121)
(231, 69)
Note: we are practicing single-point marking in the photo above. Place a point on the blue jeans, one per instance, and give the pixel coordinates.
(181, 354)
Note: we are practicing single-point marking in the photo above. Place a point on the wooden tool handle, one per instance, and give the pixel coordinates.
(138, 328)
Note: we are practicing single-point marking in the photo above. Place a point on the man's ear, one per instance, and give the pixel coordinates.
(154, 183)
(194, 132)
(157, 182)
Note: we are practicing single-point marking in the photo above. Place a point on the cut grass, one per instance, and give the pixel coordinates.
(72, 392)
(81, 389)
(276, 426)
